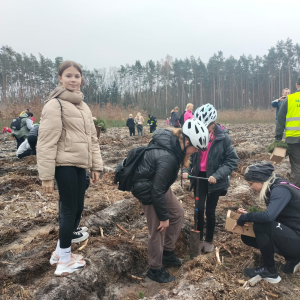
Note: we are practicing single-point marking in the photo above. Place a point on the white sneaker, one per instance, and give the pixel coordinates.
(68, 268)
(81, 229)
(79, 237)
(55, 258)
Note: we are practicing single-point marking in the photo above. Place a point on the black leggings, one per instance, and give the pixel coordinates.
(273, 238)
(32, 140)
(211, 204)
(71, 183)
(25, 153)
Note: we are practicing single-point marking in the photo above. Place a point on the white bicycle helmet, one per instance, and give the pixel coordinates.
(197, 133)
(206, 114)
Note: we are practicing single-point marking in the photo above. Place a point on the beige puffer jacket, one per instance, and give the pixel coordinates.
(67, 135)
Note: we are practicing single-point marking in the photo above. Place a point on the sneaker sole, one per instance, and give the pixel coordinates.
(69, 272)
(272, 280)
(83, 238)
(83, 231)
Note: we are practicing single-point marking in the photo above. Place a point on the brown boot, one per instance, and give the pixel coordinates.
(208, 247)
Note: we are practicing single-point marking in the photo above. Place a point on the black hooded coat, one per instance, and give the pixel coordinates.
(157, 171)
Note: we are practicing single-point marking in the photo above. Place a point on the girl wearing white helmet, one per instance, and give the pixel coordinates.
(152, 179)
(215, 163)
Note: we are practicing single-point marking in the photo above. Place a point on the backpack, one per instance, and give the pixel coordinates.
(125, 169)
(16, 124)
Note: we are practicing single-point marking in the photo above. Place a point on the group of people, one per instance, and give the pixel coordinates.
(67, 146)
(139, 122)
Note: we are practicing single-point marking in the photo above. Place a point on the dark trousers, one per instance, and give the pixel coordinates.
(131, 131)
(210, 212)
(152, 128)
(71, 183)
(25, 153)
(19, 141)
(295, 163)
(140, 129)
(273, 238)
(32, 140)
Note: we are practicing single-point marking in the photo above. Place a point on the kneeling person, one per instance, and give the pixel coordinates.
(277, 230)
(152, 180)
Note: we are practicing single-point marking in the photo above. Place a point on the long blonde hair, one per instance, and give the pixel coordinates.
(266, 188)
(177, 132)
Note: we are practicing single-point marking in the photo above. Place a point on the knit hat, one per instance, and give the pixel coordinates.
(260, 171)
(298, 80)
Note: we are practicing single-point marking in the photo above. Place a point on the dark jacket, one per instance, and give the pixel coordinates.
(157, 171)
(221, 161)
(277, 104)
(34, 131)
(174, 118)
(283, 206)
(130, 122)
(152, 121)
(280, 125)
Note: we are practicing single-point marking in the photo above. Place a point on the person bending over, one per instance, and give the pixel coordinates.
(277, 230)
(152, 180)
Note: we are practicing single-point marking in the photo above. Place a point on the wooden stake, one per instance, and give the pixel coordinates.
(122, 228)
(84, 245)
(101, 231)
(135, 277)
(6, 263)
(271, 294)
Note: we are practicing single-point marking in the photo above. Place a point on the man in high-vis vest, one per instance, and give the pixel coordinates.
(289, 120)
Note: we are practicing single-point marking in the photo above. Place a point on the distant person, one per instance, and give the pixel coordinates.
(21, 127)
(277, 230)
(188, 112)
(289, 121)
(175, 118)
(32, 138)
(168, 122)
(24, 150)
(278, 102)
(131, 125)
(152, 122)
(139, 120)
(67, 146)
(30, 115)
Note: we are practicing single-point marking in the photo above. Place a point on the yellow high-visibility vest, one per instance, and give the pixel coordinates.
(292, 124)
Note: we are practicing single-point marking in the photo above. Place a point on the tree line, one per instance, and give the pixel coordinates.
(227, 83)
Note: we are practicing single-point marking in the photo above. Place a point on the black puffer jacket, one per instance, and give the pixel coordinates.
(157, 172)
(221, 161)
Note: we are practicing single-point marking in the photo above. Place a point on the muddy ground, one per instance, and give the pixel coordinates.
(29, 231)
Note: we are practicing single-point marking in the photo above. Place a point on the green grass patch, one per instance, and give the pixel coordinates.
(140, 295)
(281, 144)
(115, 123)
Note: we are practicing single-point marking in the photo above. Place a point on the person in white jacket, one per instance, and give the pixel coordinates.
(24, 150)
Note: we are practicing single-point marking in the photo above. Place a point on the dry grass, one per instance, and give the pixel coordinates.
(247, 116)
(114, 115)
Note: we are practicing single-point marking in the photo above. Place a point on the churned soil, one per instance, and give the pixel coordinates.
(116, 251)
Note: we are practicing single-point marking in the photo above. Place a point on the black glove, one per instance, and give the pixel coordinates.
(242, 219)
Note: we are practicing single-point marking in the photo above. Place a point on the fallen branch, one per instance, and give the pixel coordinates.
(122, 229)
(218, 255)
(40, 196)
(101, 231)
(226, 249)
(135, 277)
(271, 294)
(6, 263)
(84, 245)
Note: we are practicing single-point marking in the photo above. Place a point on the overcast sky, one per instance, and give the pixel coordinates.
(99, 33)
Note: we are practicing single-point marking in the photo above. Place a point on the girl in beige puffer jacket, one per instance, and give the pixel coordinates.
(67, 146)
